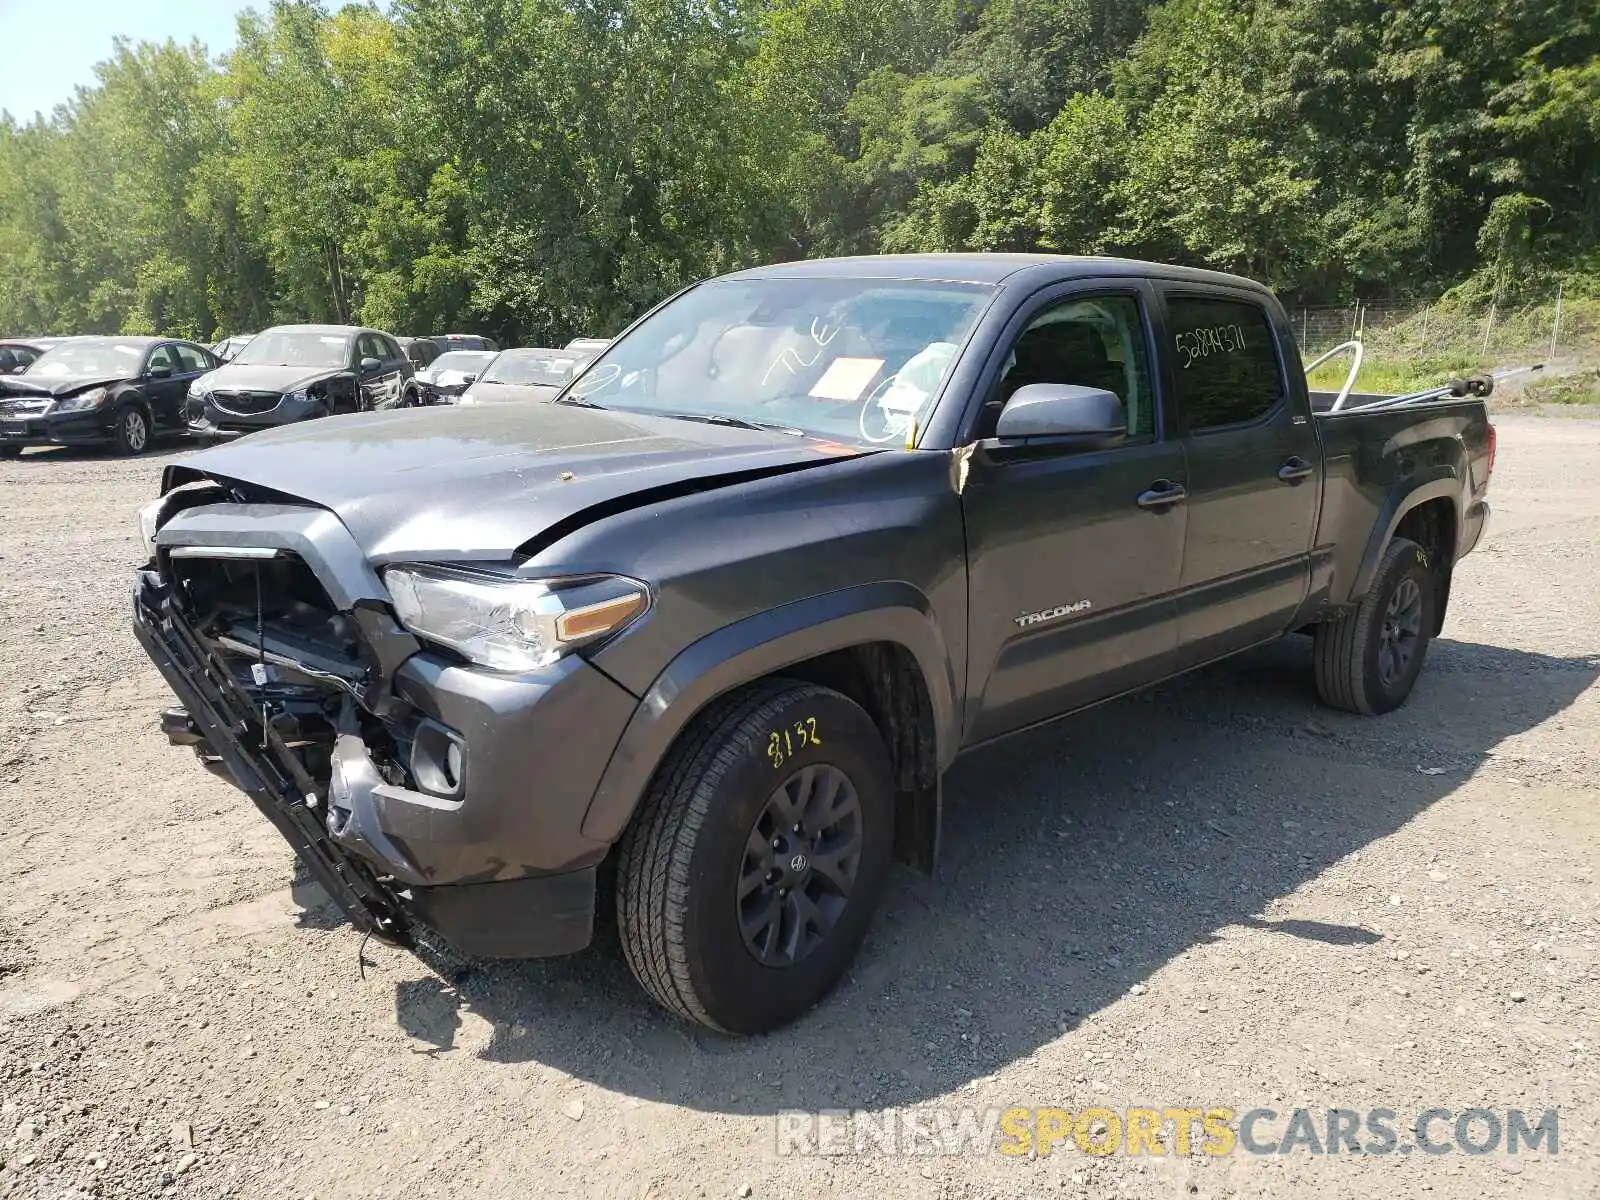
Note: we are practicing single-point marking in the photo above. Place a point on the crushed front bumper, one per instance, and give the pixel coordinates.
(487, 851)
(211, 421)
(90, 428)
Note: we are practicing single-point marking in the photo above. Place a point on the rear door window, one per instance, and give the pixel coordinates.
(1224, 360)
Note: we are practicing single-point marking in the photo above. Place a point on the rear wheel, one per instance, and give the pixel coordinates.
(132, 433)
(10, 451)
(1368, 660)
(751, 872)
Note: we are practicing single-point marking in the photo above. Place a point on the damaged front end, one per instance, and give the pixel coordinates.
(276, 691)
(298, 685)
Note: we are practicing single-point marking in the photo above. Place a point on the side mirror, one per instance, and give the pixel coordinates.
(1067, 415)
(158, 371)
(369, 366)
(469, 380)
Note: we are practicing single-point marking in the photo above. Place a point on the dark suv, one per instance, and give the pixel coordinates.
(299, 372)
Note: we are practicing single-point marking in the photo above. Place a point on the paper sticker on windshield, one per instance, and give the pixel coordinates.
(846, 379)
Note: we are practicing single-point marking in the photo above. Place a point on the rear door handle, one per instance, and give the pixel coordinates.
(1295, 470)
(1163, 495)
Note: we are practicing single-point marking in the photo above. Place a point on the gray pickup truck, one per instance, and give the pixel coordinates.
(712, 624)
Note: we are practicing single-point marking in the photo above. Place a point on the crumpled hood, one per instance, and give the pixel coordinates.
(443, 484)
(266, 378)
(23, 386)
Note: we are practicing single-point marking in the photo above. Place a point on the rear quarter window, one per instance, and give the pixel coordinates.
(1225, 361)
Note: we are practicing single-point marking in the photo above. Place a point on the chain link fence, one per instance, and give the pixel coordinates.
(1553, 329)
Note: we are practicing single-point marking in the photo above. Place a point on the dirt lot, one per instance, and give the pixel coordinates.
(1216, 895)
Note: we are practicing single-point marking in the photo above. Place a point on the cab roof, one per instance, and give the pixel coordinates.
(985, 269)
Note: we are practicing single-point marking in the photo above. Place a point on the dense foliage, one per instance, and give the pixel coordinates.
(538, 168)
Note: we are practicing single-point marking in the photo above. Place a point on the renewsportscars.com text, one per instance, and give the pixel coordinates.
(1216, 1131)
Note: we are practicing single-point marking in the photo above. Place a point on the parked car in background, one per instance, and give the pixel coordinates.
(300, 372)
(448, 342)
(96, 391)
(228, 348)
(420, 350)
(526, 374)
(593, 347)
(18, 354)
(450, 374)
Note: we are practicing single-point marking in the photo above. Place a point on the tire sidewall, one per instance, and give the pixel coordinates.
(735, 988)
(1406, 560)
(123, 445)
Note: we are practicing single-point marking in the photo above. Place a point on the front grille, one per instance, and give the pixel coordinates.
(313, 671)
(246, 404)
(24, 408)
(274, 609)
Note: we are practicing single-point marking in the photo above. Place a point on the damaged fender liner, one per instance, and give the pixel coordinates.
(271, 777)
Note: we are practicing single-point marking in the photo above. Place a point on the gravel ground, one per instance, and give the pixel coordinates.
(1214, 895)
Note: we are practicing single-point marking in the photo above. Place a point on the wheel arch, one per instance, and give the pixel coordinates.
(879, 645)
(1429, 514)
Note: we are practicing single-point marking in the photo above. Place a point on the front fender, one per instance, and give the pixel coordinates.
(1441, 483)
(759, 646)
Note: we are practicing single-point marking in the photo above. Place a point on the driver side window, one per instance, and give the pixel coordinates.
(1096, 342)
(160, 357)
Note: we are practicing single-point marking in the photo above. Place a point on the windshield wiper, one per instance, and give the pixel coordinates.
(580, 402)
(729, 422)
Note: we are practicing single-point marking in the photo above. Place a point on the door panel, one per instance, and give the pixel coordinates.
(192, 363)
(1254, 477)
(1053, 535)
(1071, 579)
(164, 397)
(381, 387)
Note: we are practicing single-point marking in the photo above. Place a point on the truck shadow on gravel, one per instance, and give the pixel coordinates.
(1077, 860)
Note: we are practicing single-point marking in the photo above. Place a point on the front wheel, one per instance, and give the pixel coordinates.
(751, 872)
(10, 451)
(1368, 660)
(132, 433)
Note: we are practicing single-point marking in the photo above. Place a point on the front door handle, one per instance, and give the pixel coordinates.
(1295, 470)
(1163, 495)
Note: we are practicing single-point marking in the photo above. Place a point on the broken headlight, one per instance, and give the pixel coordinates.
(512, 624)
(83, 401)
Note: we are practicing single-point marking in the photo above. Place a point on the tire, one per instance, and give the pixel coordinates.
(10, 451)
(1368, 660)
(132, 433)
(695, 878)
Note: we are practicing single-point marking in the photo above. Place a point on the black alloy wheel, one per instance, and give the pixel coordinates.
(800, 865)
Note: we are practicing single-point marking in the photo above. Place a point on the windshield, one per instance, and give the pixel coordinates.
(533, 368)
(90, 356)
(295, 348)
(859, 360)
(465, 361)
